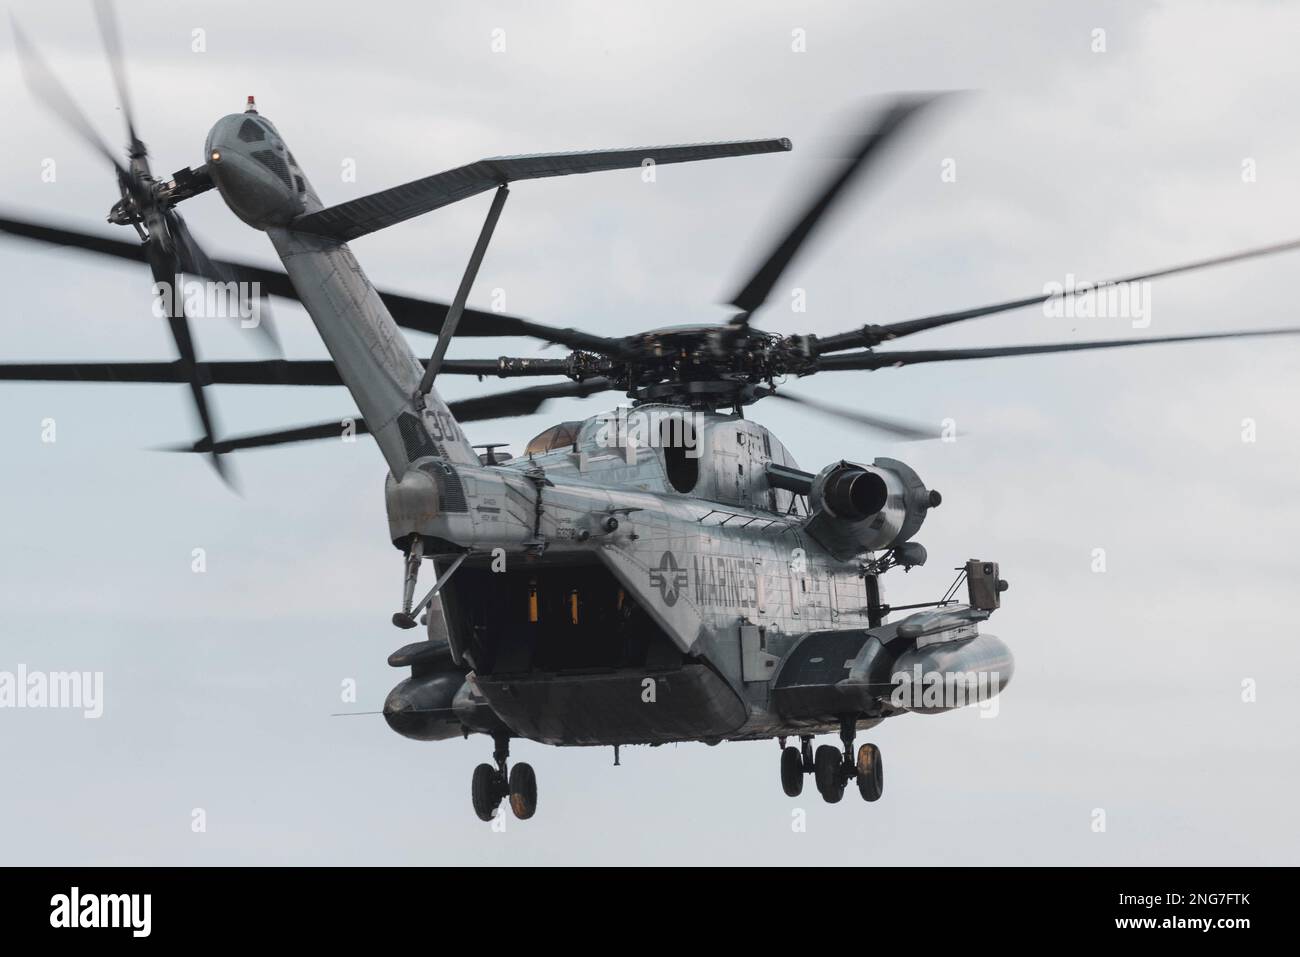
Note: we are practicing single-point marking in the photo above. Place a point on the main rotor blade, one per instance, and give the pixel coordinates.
(318, 372)
(309, 372)
(409, 312)
(93, 372)
(896, 427)
(499, 406)
(503, 405)
(106, 15)
(302, 433)
(45, 86)
(874, 335)
(882, 360)
(871, 145)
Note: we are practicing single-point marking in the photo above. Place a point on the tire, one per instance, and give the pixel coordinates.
(827, 770)
(523, 791)
(792, 772)
(871, 773)
(485, 792)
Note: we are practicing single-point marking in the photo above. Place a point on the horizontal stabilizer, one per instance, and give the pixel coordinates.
(347, 221)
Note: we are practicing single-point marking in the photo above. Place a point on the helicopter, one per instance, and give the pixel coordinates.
(663, 572)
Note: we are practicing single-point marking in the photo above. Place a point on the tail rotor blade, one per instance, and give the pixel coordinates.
(164, 269)
(45, 86)
(193, 260)
(106, 15)
(180, 334)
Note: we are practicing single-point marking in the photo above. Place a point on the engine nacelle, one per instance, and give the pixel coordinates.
(863, 508)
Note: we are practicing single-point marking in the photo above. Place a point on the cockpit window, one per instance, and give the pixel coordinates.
(556, 437)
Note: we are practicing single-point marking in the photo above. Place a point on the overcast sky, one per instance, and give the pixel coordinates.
(1128, 690)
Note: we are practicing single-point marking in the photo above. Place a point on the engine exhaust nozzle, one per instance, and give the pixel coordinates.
(855, 493)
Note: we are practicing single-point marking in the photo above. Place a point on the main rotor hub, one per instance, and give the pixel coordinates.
(701, 366)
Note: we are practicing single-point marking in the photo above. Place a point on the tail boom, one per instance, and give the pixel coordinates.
(371, 354)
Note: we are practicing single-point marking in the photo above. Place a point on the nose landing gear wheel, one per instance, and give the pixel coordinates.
(523, 791)
(485, 791)
(792, 772)
(871, 773)
(828, 768)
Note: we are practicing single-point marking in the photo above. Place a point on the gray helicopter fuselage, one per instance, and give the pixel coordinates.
(721, 568)
(634, 585)
(710, 554)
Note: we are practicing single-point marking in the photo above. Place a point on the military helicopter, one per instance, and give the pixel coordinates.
(659, 573)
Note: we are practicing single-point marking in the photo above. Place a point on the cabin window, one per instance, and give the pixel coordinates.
(683, 469)
(556, 437)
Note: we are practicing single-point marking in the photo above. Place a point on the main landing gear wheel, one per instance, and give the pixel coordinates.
(523, 791)
(828, 767)
(871, 773)
(491, 784)
(792, 771)
(485, 791)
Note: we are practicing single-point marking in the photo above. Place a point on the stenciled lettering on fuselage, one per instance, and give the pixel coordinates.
(669, 578)
(727, 582)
